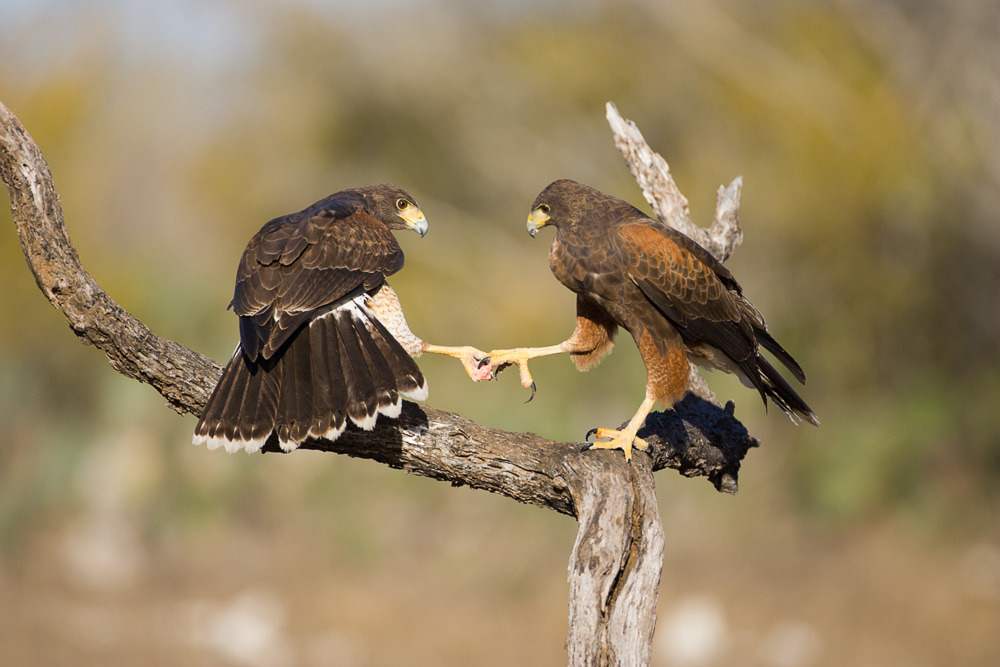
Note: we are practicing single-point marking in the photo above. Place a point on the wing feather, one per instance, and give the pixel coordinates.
(689, 290)
(301, 262)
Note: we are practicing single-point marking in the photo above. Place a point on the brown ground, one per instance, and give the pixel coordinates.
(391, 570)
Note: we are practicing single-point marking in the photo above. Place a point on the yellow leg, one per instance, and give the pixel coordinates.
(499, 359)
(469, 356)
(626, 438)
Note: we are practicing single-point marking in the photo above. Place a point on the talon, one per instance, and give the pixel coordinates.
(533, 389)
(586, 438)
(484, 361)
(585, 448)
(615, 439)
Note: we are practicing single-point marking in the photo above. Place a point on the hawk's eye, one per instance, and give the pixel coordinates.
(402, 204)
(544, 208)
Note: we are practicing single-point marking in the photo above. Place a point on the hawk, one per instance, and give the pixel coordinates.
(323, 340)
(679, 303)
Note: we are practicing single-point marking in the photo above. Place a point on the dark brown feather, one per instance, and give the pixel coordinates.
(383, 378)
(361, 399)
(321, 416)
(334, 390)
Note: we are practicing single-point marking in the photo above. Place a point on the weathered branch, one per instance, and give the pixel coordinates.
(652, 173)
(620, 533)
(614, 570)
(185, 378)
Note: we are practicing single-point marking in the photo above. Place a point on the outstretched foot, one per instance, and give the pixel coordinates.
(497, 360)
(471, 358)
(624, 440)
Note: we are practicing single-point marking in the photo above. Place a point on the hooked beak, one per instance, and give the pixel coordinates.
(536, 220)
(415, 220)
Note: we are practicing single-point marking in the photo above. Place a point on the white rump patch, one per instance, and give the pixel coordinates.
(354, 305)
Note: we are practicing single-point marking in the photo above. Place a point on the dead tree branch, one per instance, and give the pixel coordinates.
(615, 566)
(652, 173)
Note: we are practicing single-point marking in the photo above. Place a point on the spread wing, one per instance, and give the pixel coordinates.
(298, 264)
(693, 290)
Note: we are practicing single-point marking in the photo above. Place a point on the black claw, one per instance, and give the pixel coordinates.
(533, 389)
(586, 447)
(589, 433)
(485, 360)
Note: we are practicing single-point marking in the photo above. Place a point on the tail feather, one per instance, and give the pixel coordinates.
(333, 391)
(295, 407)
(767, 341)
(386, 393)
(321, 419)
(343, 364)
(210, 424)
(243, 386)
(259, 408)
(361, 401)
(773, 385)
(236, 412)
(255, 406)
(230, 397)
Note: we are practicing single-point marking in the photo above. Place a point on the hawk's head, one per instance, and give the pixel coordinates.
(394, 207)
(564, 203)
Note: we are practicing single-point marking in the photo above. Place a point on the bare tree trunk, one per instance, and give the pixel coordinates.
(614, 569)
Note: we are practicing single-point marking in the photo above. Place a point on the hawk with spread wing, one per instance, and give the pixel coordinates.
(679, 303)
(323, 339)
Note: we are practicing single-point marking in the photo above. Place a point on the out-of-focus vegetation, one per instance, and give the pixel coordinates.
(868, 136)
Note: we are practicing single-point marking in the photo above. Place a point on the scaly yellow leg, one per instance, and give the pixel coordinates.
(499, 359)
(469, 356)
(626, 438)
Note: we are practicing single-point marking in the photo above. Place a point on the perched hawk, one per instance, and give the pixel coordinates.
(678, 302)
(323, 339)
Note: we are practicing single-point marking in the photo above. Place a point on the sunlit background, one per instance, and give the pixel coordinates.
(868, 136)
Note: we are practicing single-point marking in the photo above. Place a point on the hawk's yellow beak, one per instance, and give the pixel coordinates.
(536, 220)
(415, 219)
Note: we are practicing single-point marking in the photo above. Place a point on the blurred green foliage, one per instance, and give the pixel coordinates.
(863, 244)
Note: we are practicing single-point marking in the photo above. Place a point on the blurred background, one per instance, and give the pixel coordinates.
(868, 136)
